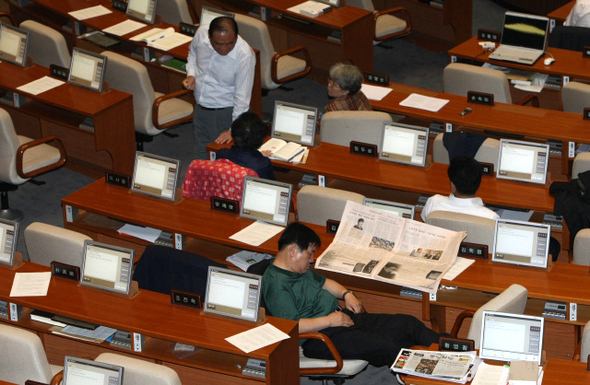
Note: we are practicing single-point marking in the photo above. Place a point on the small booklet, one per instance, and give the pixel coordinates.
(311, 8)
(282, 150)
(153, 34)
(244, 259)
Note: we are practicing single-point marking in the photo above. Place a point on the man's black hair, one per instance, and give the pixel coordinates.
(299, 234)
(465, 173)
(223, 24)
(248, 131)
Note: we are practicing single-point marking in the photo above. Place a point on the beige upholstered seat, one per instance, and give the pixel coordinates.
(342, 127)
(275, 68)
(46, 45)
(479, 230)
(317, 204)
(582, 247)
(47, 243)
(174, 12)
(585, 343)
(575, 97)
(459, 78)
(140, 372)
(387, 25)
(581, 164)
(488, 152)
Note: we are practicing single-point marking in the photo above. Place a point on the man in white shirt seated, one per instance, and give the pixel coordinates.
(579, 15)
(465, 176)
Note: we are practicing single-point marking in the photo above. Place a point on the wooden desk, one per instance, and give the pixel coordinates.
(561, 13)
(152, 315)
(61, 110)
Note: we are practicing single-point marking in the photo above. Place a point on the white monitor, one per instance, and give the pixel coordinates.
(399, 209)
(507, 337)
(78, 371)
(294, 123)
(523, 161)
(208, 14)
(8, 237)
(14, 44)
(233, 293)
(87, 69)
(107, 267)
(142, 10)
(521, 243)
(266, 200)
(155, 175)
(402, 143)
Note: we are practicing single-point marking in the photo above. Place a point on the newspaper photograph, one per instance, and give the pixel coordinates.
(448, 366)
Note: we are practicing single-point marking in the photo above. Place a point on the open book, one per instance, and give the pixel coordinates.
(282, 150)
(153, 34)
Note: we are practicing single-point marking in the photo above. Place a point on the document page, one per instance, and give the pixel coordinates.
(257, 233)
(170, 41)
(375, 92)
(424, 102)
(124, 27)
(40, 85)
(90, 12)
(30, 284)
(257, 338)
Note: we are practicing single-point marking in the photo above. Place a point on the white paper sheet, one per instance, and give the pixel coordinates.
(170, 41)
(124, 27)
(90, 12)
(460, 265)
(491, 375)
(424, 102)
(146, 233)
(257, 338)
(40, 85)
(30, 284)
(375, 92)
(257, 233)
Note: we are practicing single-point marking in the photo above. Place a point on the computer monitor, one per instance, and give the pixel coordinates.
(521, 243)
(266, 200)
(78, 371)
(155, 175)
(507, 337)
(14, 44)
(208, 14)
(523, 30)
(8, 237)
(399, 209)
(523, 161)
(87, 69)
(107, 267)
(142, 10)
(233, 293)
(294, 123)
(402, 143)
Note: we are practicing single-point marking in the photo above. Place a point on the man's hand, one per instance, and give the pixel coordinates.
(339, 318)
(189, 83)
(224, 137)
(353, 303)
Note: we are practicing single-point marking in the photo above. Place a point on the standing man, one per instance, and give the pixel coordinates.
(220, 70)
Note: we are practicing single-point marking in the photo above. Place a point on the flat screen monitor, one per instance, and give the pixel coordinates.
(402, 143)
(87, 69)
(399, 209)
(208, 14)
(8, 237)
(523, 161)
(233, 293)
(294, 123)
(155, 175)
(14, 44)
(266, 200)
(78, 371)
(523, 30)
(521, 243)
(142, 10)
(507, 337)
(107, 267)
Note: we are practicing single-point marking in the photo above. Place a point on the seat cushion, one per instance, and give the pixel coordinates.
(387, 24)
(39, 156)
(173, 109)
(289, 65)
(349, 367)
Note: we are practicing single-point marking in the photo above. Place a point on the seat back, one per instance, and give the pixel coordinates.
(46, 243)
(364, 4)
(342, 127)
(581, 164)
(140, 372)
(221, 178)
(568, 37)
(459, 78)
(9, 144)
(581, 247)
(46, 45)
(317, 204)
(479, 230)
(488, 152)
(255, 32)
(174, 11)
(574, 97)
(585, 343)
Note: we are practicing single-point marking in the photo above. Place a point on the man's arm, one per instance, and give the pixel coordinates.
(337, 290)
(191, 65)
(336, 318)
(244, 82)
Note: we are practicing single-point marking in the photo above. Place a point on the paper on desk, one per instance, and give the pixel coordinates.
(424, 102)
(98, 335)
(530, 88)
(146, 233)
(491, 375)
(40, 85)
(257, 233)
(375, 92)
(257, 338)
(460, 265)
(170, 41)
(124, 27)
(30, 284)
(90, 12)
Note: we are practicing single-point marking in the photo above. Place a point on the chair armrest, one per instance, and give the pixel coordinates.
(9, 16)
(530, 98)
(331, 348)
(156, 107)
(459, 321)
(21, 152)
(278, 55)
(398, 12)
(56, 380)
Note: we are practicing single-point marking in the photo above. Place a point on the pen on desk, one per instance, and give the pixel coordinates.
(88, 34)
(158, 38)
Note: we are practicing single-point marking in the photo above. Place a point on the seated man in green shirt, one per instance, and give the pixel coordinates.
(293, 291)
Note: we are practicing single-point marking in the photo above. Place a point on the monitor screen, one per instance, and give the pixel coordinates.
(78, 371)
(233, 293)
(8, 237)
(155, 175)
(87, 69)
(266, 200)
(208, 14)
(521, 243)
(523, 161)
(527, 31)
(142, 10)
(294, 123)
(14, 44)
(508, 337)
(399, 209)
(107, 267)
(402, 143)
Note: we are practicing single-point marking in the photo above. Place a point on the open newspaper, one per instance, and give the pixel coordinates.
(447, 366)
(371, 243)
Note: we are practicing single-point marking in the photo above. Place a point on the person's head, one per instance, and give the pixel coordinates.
(345, 79)
(223, 34)
(465, 176)
(248, 131)
(297, 246)
(360, 221)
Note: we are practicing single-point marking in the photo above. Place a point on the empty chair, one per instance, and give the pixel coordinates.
(175, 12)
(342, 127)
(275, 68)
(479, 230)
(317, 204)
(140, 372)
(387, 25)
(46, 45)
(575, 96)
(47, 243)
(488, 152)
(568, 37)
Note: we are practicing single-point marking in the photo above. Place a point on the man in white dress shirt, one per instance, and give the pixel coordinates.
(220, 70)
(579, 15)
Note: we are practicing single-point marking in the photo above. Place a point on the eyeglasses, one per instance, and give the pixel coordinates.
(332, 83)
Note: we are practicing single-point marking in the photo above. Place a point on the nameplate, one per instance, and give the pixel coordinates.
(120, 180)
(186, 299)
(586, 51)
(378, 79)
(227, 205)
(187, 29)
(120, 5)
(332, 226)
(66, 271)
(455, 345)
(365, 149)
(587, 113)
(480, 98)
(487, 168)
(486, 34)
(473, 250)
(59, 72)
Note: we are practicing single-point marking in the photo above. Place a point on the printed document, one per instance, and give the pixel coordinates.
(424, 102)
(257, 338)
(124, 27)
(257, 233)
(90, 12)
(375, 92)
(30, 284)
(40, 85)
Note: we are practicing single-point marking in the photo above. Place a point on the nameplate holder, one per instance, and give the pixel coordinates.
(487, 168)
(486, 34)
(332, 226)
(223, 204)
(586, 51)
(116, 179)
(587, 113)
(59, 72)
(63, 270)
(138, 342)
(376, 78)
(187, 29)
(182, 298)
(120, 5)
(16, 311)
(480, 98)
(365, 149)
(455, 345)
(473, 250)
(148, 54)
